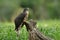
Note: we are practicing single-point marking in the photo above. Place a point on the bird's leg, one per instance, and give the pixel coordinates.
(18, 29)
(17, 32)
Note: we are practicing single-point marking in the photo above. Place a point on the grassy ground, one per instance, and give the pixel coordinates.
(50, 28)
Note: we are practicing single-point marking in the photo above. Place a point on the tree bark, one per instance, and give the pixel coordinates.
(34, 33)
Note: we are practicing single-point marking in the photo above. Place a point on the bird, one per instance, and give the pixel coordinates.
(19, 20)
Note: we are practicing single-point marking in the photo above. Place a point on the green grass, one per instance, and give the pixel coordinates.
(50, 28)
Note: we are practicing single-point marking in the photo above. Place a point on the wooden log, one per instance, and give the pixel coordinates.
(34, 33)
(40, 35)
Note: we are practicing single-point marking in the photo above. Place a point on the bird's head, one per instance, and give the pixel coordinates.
(26, 10)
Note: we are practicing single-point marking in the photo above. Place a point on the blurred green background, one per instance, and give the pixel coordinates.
(46, 12)
(39, 9)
